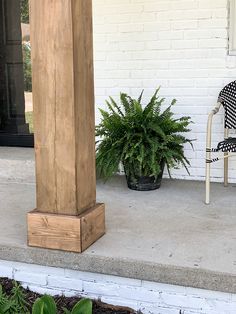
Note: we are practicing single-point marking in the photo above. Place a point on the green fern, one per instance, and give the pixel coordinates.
(142, 138)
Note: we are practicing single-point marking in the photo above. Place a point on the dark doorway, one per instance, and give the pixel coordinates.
(14, 131)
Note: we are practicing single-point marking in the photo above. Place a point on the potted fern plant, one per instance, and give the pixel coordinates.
(143, 138)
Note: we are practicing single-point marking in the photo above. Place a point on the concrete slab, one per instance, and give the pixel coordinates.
(167, 235)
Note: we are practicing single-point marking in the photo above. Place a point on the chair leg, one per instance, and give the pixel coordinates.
(226, 161)
(226, 169)
(208, 170)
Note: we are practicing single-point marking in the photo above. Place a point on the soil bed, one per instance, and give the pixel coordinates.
(62, 301)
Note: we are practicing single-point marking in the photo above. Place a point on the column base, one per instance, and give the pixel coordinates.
(66, 233)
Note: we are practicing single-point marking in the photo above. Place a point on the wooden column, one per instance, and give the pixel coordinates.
(67, 216)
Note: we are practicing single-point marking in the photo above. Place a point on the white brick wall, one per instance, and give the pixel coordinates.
(181, 45)
(149, 297)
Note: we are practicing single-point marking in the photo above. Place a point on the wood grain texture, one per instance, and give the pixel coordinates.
(84, 100)
(54, 232)
(92, 225)
(64, 232)
(63, 96)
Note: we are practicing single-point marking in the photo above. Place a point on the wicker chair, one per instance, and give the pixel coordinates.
(227, 98)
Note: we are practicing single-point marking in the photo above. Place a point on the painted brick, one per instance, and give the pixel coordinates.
(102, 278)
(184, 301)
(101, 289)
(156, 309)
(163, 287)
(30, 277)
(38, 269)
(43, 290)
(73, 293)
(139, 294)
(181, 45)
(62, 282)
(149, 297)
(121, 302)
(6, 271)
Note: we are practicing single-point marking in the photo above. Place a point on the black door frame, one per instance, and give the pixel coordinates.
(15, 131)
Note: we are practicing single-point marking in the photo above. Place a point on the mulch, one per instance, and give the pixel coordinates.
(67, 302)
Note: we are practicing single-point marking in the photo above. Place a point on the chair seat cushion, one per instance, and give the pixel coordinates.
(228, 145)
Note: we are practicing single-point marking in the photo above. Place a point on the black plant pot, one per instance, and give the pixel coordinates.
(145, 183)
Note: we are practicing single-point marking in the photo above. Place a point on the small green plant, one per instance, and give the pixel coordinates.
(19, 297)
(142, 138)
(15, 303)
(24, 4)
(47, 305)
(26, 48)
(6, 305)
(29, 119)
(84, 306)
(44, 305)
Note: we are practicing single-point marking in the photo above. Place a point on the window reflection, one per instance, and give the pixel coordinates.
(26, 47)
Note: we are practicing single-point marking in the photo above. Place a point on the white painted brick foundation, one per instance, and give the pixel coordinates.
(178, 44)
(149, 297)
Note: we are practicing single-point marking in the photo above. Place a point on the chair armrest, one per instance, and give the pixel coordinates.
(216, 109)
(209, 124)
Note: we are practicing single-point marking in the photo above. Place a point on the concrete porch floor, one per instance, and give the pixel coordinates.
(168, 235)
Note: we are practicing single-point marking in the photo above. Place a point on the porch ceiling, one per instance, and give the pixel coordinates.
(167, 236)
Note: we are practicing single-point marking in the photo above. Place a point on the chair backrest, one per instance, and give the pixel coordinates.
(228, 99)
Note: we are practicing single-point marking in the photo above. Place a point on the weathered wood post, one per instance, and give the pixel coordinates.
(67, 216)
